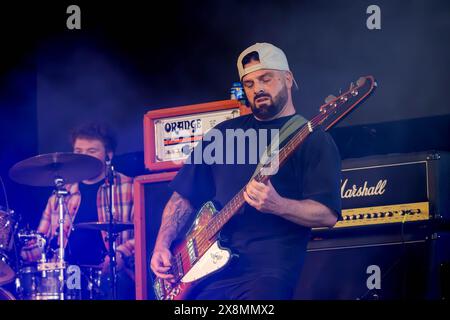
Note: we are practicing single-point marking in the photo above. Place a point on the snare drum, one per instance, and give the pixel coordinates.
(8, 225)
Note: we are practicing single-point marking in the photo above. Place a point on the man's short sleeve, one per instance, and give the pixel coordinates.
(321, 166)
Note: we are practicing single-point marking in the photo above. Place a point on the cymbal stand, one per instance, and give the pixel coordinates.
(61, 192)
(111, 235)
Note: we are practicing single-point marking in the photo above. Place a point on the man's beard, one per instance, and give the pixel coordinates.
(272, 106)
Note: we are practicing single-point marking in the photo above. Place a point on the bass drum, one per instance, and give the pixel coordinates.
(6, 295)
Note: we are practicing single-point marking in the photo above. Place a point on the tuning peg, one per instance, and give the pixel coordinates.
(361, 81)
(353, 90)
(330, 98)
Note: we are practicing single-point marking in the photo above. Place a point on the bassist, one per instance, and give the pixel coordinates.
(268, 237)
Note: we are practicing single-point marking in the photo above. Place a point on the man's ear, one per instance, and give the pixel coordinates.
(289, 79)
(110, 155)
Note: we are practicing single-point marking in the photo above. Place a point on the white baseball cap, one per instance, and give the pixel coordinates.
(270, 57)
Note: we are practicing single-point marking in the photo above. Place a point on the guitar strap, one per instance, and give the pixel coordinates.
(291, 126)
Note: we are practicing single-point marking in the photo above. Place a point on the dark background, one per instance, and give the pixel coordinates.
(129, 58)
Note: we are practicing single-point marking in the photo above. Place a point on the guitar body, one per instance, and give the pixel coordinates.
(187, 256)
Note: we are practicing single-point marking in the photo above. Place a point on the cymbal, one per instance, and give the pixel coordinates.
(42, 170)
(104, 226)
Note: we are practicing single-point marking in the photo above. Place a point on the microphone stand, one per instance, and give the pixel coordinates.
(111, 235)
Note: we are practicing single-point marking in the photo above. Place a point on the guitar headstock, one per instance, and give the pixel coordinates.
(336, 108)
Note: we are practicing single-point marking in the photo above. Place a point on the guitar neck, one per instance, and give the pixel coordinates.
(235, 204)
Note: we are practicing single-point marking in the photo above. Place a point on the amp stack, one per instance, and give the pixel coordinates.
(393, 239)
(169, 136)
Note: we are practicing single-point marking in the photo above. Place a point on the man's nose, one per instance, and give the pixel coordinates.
(258, 88)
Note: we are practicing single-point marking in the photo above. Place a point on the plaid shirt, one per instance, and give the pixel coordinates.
(123, 212)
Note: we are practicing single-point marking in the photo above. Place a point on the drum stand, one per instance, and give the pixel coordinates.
(111, 234)
(61, 192)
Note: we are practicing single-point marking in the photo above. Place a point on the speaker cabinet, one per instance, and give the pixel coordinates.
(356, 269)
(151, 193)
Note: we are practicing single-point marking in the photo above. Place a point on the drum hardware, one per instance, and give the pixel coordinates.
(48, 266)
(117, 227)
(114, 229)
(109, 179)
(55, 169)
(93, 277)
(28, 237)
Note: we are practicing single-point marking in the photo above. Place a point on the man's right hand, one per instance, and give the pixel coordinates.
(161, 264)
(175, 214)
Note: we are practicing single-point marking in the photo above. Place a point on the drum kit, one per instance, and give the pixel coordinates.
(54, 280)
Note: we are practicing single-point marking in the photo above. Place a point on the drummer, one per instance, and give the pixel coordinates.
(87, 202)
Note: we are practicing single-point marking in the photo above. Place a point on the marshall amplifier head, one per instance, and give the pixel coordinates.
(395, 188)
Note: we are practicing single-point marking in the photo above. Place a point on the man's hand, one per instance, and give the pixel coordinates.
(264, 197)
(175, 214)
(161, 263)
(120, 263)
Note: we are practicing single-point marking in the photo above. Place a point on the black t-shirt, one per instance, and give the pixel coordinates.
(86, 247)
(266, 244)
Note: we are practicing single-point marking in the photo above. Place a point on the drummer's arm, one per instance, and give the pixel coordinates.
(46, 219)
(33, 251)
(127, 248)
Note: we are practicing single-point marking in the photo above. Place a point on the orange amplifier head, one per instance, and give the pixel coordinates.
(170, 134)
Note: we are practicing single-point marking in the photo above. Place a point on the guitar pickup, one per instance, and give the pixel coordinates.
(179, 263)
(192, 250)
